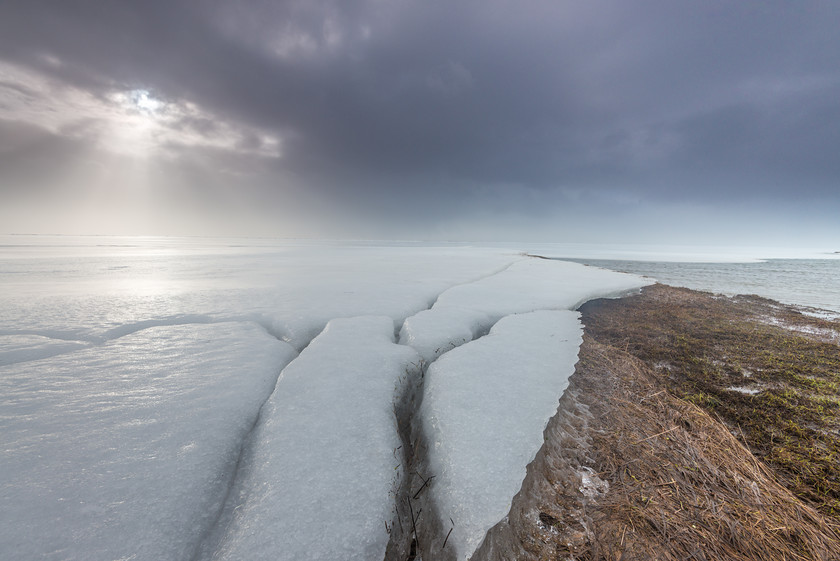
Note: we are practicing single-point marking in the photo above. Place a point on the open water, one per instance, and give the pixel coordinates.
(805, 282)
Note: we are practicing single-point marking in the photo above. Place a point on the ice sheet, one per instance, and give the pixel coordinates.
(324, 461)
(91, 290)
(485, 406)
(126, 451)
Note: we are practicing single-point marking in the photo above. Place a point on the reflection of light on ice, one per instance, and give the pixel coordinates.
(150, 286)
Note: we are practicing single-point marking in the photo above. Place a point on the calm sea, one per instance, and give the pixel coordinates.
(805, 282)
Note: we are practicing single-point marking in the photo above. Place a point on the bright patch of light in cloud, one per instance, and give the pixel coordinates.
(144, 101)
(133, 122)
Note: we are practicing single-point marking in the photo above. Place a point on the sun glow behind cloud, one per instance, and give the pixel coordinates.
(122, 159)
(145, 102)
(128, 121)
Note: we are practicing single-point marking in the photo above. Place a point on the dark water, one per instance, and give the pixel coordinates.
(805, 282)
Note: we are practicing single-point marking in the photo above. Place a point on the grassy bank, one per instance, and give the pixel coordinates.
(770, 373)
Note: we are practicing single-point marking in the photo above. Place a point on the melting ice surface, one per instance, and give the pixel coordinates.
(153, 404)
(804, 282)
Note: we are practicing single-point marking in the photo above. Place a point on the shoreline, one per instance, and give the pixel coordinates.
(653, 453)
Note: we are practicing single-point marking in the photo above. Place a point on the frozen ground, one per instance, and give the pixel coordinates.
(153, 404)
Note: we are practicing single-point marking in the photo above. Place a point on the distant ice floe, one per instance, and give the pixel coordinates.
(126, 451)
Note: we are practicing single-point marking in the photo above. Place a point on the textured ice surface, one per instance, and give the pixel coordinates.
(24, 347)
(126, 451)
(485, 406)
(462, 312)
(325, 459)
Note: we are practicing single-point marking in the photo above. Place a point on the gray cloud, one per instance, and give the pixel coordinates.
(514, 112)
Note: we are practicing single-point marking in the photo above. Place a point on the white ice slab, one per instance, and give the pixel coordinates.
(126, 451)
(463, 311)
(441, 329)
(324, 461)
(485, 405)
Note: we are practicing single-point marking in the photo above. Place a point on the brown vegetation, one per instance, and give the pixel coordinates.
(785, 366)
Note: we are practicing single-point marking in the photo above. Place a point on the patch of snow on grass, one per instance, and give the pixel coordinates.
(744, 390)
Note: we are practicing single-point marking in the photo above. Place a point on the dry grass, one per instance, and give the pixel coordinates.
(702, 346)
(681, 485)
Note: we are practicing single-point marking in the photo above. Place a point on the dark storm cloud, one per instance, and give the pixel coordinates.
(453, 104)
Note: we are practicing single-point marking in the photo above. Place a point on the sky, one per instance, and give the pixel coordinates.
(603, 121)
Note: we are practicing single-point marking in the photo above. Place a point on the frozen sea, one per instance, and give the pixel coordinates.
(189, 399)
(196, 398)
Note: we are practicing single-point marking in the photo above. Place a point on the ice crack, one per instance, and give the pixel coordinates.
(35, 344)
(209, 542)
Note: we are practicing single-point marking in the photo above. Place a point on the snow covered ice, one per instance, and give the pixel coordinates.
(144, 415)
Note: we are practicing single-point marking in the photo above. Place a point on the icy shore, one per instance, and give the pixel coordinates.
(174, 419)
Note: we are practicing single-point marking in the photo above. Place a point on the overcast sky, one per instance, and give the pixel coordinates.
(598, 121)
